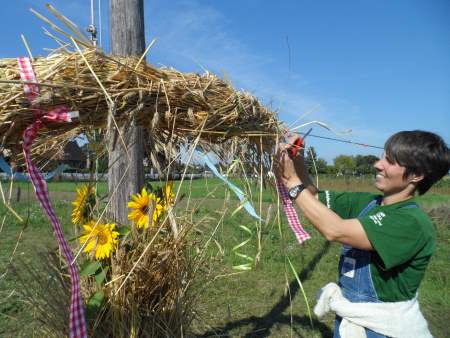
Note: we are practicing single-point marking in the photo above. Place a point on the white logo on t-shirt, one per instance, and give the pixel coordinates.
(327, 198)
(377, 218)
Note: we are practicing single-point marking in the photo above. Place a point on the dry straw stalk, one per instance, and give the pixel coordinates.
(168, 103)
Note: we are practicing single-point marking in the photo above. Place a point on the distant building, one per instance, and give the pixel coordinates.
(74, 156)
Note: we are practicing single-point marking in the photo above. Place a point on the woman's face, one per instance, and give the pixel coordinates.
(389, 178)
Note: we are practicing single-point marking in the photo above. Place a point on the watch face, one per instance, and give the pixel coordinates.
(293, 192)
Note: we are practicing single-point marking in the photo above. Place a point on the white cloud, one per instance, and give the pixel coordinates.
(191, 36)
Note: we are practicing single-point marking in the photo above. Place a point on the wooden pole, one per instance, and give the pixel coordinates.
(127, 38)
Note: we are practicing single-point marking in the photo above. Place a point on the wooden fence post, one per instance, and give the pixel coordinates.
(127, 38)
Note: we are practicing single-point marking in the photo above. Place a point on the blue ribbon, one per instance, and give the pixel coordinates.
(247, 205)
(21, 177)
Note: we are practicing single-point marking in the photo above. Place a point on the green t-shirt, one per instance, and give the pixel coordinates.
(404, 240)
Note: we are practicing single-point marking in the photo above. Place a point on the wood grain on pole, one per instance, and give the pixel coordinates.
(127, 38)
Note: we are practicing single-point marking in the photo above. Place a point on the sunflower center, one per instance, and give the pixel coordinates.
(145, 209)
(102, 238)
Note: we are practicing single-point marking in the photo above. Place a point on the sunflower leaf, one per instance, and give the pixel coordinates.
(96, 299)
(100, 277)
(74, 238)
(89, 268)
(123, 230)
(94, 304)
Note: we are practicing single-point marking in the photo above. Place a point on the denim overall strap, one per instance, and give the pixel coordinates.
(410, 206)
(354, 269)
(355, 279)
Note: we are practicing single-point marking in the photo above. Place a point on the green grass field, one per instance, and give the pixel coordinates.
(265, 301)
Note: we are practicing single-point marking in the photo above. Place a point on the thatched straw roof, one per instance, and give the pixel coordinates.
(169, 104)
(164, 101)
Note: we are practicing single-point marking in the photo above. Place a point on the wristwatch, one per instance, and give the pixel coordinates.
(295, 191)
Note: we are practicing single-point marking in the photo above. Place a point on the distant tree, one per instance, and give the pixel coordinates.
(331, 169)
(345, 164)
(312, 160)
(364, 164)
(322, 166)
(311, 153)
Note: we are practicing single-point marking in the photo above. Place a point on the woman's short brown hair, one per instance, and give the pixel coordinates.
(421, 153)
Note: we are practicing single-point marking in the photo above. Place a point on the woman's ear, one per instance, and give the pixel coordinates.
(415, 178)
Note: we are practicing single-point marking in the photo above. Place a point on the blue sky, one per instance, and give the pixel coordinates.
(375, 67)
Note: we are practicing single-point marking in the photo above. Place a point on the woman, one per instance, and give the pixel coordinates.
(387, 239)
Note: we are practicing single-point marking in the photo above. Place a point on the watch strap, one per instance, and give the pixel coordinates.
(295, 191)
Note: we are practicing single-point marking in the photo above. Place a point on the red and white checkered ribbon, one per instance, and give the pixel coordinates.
(77, 327)
(291, 214)
(31, 89)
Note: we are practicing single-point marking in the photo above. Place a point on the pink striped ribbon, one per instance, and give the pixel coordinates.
(291, 214)
(77, 325)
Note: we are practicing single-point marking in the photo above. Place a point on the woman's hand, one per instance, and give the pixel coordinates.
(299, 158)
(284, 166)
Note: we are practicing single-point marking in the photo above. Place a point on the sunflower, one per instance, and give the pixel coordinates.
(83, 204)
(169, 195)
(101, 239)
(141, 204)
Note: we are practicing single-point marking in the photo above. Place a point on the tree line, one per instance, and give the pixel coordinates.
(342, 164)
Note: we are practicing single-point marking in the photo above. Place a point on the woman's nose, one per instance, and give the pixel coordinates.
(378, 165)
